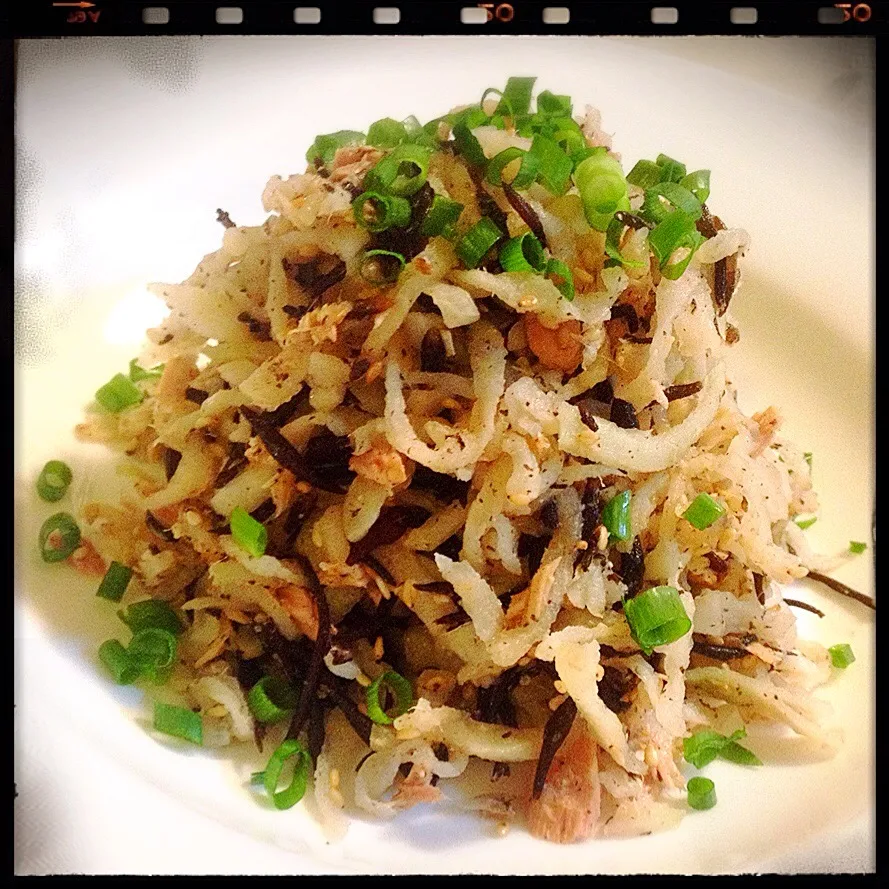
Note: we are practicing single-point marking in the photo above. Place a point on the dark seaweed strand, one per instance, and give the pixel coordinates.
(718, 652)
(526, 211)
(379, 568)
(842, 589)
(494, 703)
(591, 517)
(632, 568)
(171, 460)
(264, 511)
(196, 396)
(433, 355)
(154, 525)
(361, 724)
(626, 313)
(407, 241)
(262, 330)
(631, 220)
(392, 524)
(315, 728)
(758, 588)
(324, 282)
(319, 650)
(223, 217)
(284, 413)
(683, 390)
(554, 733)
(486, 204)
(615, 685)
(796, 603)
(623, 414)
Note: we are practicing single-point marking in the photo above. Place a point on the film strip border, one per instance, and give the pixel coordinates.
(48, 18)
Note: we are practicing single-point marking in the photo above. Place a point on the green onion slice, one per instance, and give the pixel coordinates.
(441, 217)
(477, 241)
(656, 617)
(380, 267)
(675, 231)
(400, 687)
(645, 174)
(272, 699)
(386, 133)
(325, 147)
(562, 276)
(59, 537)
(616, 516)
(116, 658)
(806, 523)
(377, 212)
(466, 142)
(249, 534)
(153, 652)
(119, 393)
(151, 614)
(653, 208)
(857, 547)
(551, 104)
(503, 100)
(517, 96)
(524, 176)
(290, 796)
(523, 254)
(671, 170)
(703, 511)
(402, 172)
(698, 183)
(115, 582)
(53, 481)
(603, 189)
(841, 655)
(704, 746)
(179, 722)
(612, 244)
(553, 165)
(137, 373)
(701, 793)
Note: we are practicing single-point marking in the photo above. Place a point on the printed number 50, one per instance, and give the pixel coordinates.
(860, 11)
(503, 12)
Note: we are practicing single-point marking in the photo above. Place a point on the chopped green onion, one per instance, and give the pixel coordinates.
(553, 165)
(386, 133)
(53, 481)
(549, 103)
(612, 244)
(524, 176)
(325, 147)
(675, 231)
(466, 142)
(523, 254)
(841, 655)
(137, 373)
(179, 722)
(616, 516)
(152, 651)
(272, 699)
(249, 534)
(151, 614)
(645, 174)
(257, 778)
(289, 797)
(579, 156)
(681, 198)
(703, 511)
(116, 658)
(494, 91)
(698, 183)
(562, 277)
(656, 617)
(477, 241)
(671, 170)
(377, 212)
(701, 793)
(808, 458)
(806, 523)
(381, 267)
(402, 172)
(517, 96)
(119, 393)
(857, 547)
(115, 582)
(415, 132)
(603, 189)
(59, 537)
(441, 218)
(704, 746)
(401, 688)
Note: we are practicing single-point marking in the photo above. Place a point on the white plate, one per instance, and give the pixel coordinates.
(126, 148)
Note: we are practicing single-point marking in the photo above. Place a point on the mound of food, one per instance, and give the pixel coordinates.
(440, 464)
